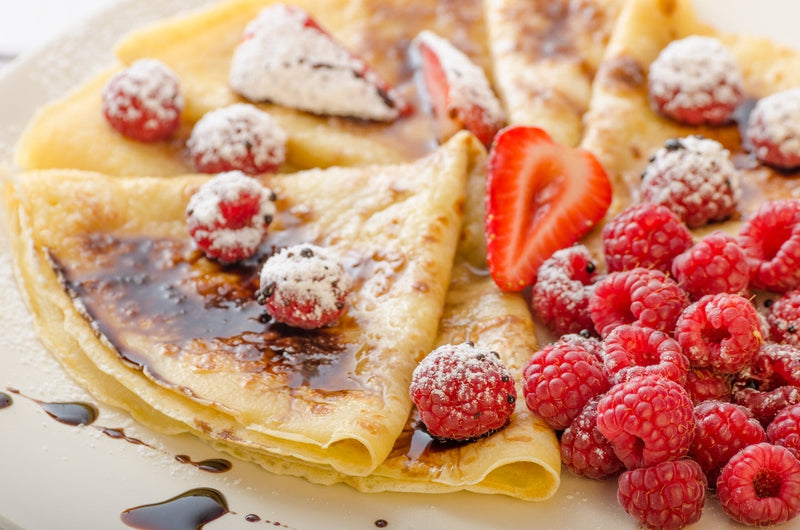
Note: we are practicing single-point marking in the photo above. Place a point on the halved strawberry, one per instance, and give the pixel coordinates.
(541, 196)
(286, 57)
(457, 90)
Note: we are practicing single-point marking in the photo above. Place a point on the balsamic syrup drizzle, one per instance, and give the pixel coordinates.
(68, 412)
(190, 510)
(210, 465)
(5, 400)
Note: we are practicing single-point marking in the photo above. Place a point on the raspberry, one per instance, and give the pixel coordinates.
(722, 331)
(705, 383)
(635, 351)
(638, 296)
(771, 240)
(766, 404)
(668, 495)
(462, 392)
(760, 485)
(783, 318)
(304, 286)
(239, 136)
(559, 380)
(715, 264)
(228, 216)
(695, 178)
(696, 81)
(772, 131)
(144, 101)
(586, 341)
(584, 450)
(785, 429)
(644, 235)
(560, 296)
(647, 420)
(721, 430)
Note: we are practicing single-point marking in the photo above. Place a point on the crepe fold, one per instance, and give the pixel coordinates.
(146, 323)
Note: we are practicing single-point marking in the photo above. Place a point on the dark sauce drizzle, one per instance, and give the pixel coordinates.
(190, 510)
(5, 400)
(68, 412)
(210, 465)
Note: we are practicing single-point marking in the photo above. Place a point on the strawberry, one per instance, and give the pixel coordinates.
(457, 89)
(541, 196)
(287, 58)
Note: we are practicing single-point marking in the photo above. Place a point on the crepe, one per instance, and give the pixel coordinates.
(545, 54)
(623, 131)
(198, 48)
(148, 306)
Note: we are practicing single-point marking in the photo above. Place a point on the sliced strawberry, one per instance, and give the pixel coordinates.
(457, 90)
(541, 196)
(287, 58)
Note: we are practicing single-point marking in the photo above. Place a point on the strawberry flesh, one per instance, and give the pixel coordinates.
(457, 90)
(541, 196)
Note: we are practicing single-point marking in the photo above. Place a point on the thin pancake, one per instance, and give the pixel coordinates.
(624, 131)
(152, 313)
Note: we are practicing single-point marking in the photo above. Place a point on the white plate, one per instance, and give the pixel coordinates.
(56, 476)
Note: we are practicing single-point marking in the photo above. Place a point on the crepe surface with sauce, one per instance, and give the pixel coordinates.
(521, 460)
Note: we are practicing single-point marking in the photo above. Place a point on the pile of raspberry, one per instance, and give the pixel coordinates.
(685, 379)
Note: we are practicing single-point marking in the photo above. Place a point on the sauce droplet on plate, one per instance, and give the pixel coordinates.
(190, 510)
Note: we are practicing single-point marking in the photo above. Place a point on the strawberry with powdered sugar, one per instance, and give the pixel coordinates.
(288, 59)
(457, 89)
(238, 137)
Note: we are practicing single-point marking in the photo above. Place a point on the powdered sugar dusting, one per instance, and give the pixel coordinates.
(773, 123)
(152, 84)
(307, 275)
(695, 178)
(695, 72)
(468, 83)
(231, 134)
(287, 59)
(205, 214)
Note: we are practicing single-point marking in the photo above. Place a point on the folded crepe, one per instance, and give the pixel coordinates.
(198, 47)
(622, 129)
(545, 54)
(146, 323)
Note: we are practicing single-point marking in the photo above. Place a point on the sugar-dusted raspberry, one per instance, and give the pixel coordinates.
(585, 340)
(463, 392)
(722, 331)
(695, 178)
(772, 130)
(766, 404)
(228, 216)
(633, 351)
(558, 381)
(760, 485)
(715, 264)
(144, 101)
(644, 235)
(785, 429)
(239, 136)
(584, 450)
(706, 383)
(696, 80)
(668, 495)
(721, 430)
(564, 283)
(647, 419)
(640, 296)
(304, 286)
(783, 318)
(771, 239)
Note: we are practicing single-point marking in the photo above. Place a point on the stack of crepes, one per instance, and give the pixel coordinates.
(138, 317)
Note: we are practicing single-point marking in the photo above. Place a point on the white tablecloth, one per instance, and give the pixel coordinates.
(27, 24)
